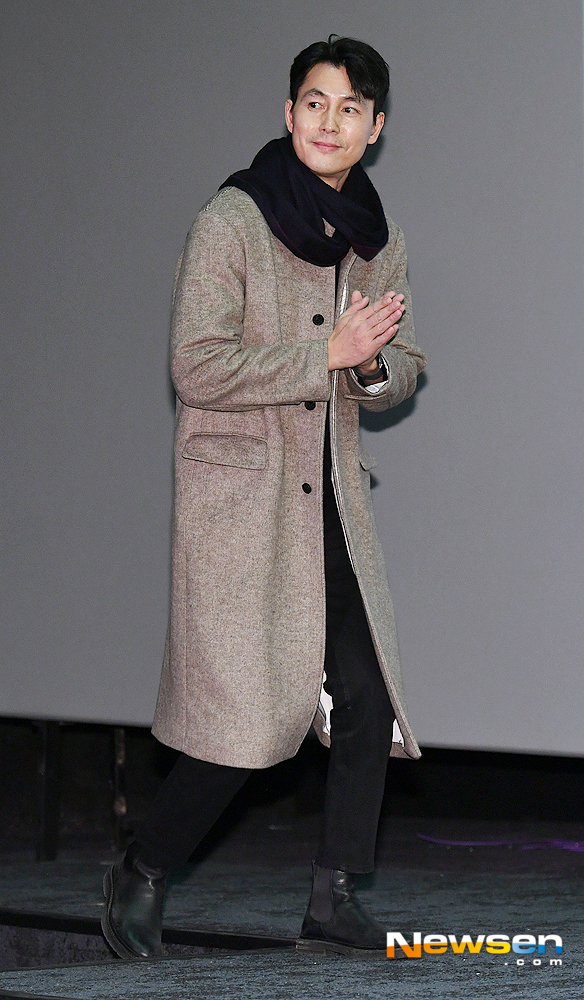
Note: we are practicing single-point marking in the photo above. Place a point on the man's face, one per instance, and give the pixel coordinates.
(331, 125)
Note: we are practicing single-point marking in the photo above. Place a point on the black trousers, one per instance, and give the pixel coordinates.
(196, 792)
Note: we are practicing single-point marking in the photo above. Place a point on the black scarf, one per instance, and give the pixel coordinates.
(294, 202)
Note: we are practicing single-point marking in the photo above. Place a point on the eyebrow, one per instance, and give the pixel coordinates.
(344, 97)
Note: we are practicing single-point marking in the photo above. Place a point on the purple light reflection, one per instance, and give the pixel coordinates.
(545, 843)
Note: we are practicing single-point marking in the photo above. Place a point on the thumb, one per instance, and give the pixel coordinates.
(358, 301)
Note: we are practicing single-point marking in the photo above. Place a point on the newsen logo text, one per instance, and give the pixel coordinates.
(494, 944)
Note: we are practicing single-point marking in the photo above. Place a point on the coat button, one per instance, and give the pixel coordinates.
(307, 487)
(310, 405)
(318, 320)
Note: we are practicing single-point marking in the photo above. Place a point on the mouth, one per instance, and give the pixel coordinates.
(324, 146)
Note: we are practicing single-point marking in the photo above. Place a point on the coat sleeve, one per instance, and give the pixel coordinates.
(211, 367)
(402, 356)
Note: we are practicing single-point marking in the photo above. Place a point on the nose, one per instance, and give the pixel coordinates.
(329, 121)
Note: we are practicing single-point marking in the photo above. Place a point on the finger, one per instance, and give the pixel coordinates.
(383, 307)
(384, 316)
(357, 305)
(383, 331)
(384, 337)
(393, 312)
(358, 301)
(389, 300)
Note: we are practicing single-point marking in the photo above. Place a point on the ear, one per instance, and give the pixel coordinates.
(288, 114)
(376, 128)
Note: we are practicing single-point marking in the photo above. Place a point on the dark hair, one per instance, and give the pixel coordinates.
(367, 70)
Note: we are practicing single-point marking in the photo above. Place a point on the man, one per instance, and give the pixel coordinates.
(291, 310)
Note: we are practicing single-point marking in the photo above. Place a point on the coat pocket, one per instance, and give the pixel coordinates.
(366, 460)
(238, 450)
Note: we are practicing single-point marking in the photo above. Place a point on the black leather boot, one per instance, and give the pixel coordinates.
(132, 918)
(335, 920)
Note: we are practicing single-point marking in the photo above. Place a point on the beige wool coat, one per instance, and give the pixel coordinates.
(244, 655)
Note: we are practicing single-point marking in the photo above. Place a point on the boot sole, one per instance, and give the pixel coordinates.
(109, 931)
(316, 947)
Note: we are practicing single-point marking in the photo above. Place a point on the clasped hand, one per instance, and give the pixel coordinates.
(362, 330)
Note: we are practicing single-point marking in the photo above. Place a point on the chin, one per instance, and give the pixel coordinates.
(326, 166)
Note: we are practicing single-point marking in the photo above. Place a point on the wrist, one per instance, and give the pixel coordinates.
(378, 371)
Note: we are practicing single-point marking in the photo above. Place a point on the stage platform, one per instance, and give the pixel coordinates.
(231, 918)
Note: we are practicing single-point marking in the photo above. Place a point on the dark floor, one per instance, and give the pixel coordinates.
(504, 878)
(469, 844)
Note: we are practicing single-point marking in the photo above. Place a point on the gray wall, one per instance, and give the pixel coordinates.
(120, 119)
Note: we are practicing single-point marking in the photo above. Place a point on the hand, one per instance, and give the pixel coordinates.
(362, 330)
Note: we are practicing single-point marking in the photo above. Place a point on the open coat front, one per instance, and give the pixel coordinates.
(244, 655)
